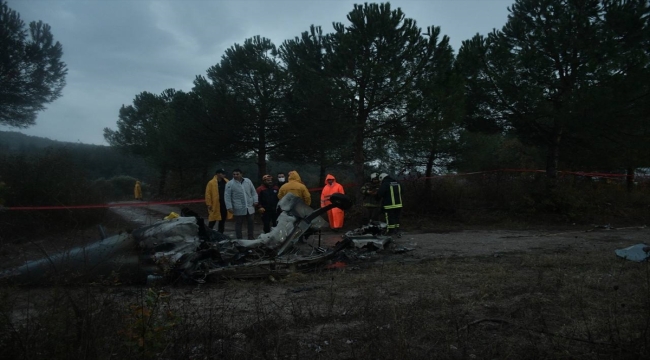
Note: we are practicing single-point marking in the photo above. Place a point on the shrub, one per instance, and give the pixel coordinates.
(49, 179)
(123, 187)
(505, 196)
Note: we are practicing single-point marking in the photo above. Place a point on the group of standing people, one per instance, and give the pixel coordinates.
(239, 199)
(270, 194)
(228, 199)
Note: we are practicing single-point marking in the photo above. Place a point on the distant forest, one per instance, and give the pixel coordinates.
(99, 164)
(95, 161)
(551, 92)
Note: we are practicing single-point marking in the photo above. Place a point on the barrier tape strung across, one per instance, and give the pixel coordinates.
(195, 201)
(577, 173)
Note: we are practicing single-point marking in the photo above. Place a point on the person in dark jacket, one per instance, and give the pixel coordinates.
(390, 195)
(371, 204)
(267, 195)
(281, 179)
(222, 180)
(215, 200)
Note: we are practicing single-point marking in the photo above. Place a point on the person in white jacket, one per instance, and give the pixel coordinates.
(241, 201)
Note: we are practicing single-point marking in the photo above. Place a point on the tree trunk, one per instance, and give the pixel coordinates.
(261, 152)
(553, 154)
(162, 180)
(358, 165)
(429, 169)
(431, 158)
(360, 127)
(630, 179)
(322, 173)
(261, 165)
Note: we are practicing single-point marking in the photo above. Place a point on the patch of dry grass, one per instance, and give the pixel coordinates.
(576, 305)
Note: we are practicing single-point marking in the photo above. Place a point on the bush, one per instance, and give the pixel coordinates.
(502, 196)
(123, 187)
(49, 179)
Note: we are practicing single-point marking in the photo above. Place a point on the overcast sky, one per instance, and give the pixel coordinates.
(115, 49)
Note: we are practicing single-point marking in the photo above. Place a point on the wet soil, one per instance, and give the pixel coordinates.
(411, 246)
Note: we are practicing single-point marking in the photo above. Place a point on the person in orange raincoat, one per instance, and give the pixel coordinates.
(335, 215)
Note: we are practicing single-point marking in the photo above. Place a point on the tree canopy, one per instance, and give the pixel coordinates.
(250, 82)
(31, 71)
(564, 84)
(552, 64)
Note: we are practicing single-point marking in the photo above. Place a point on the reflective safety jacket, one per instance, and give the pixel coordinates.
(390, 193)
(369, 191)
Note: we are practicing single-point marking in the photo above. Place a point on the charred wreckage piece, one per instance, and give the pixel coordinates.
(184, 248)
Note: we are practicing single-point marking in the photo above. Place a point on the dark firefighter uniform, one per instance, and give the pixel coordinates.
(390, 194)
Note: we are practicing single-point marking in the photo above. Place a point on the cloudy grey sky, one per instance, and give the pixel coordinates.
(115, 49)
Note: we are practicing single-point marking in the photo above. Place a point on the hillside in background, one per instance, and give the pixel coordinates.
(96, 161)
(15, 142)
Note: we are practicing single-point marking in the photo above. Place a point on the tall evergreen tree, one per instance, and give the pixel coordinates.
(210, 123)
(553, 64)
(31, 71)
(618, 106)
(376, 60)
(249, 83)
(318, 115)
(437, 104)
(141, 131)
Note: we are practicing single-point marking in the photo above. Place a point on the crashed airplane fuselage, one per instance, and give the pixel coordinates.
(183, 248)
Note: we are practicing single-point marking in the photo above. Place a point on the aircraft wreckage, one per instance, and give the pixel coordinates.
(184, 248)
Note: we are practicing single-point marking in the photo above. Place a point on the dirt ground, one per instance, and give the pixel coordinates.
(420, 245)
(540, 293)
(461, 243)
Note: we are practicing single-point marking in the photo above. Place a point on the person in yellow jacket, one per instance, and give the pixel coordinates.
(296, 187)
(137, 191)
(335, 215)
(215, 201)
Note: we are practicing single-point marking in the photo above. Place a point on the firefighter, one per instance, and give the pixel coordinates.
(370, 202)
(390, 195)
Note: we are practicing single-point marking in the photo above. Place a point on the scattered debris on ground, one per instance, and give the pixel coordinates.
(182, 247)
